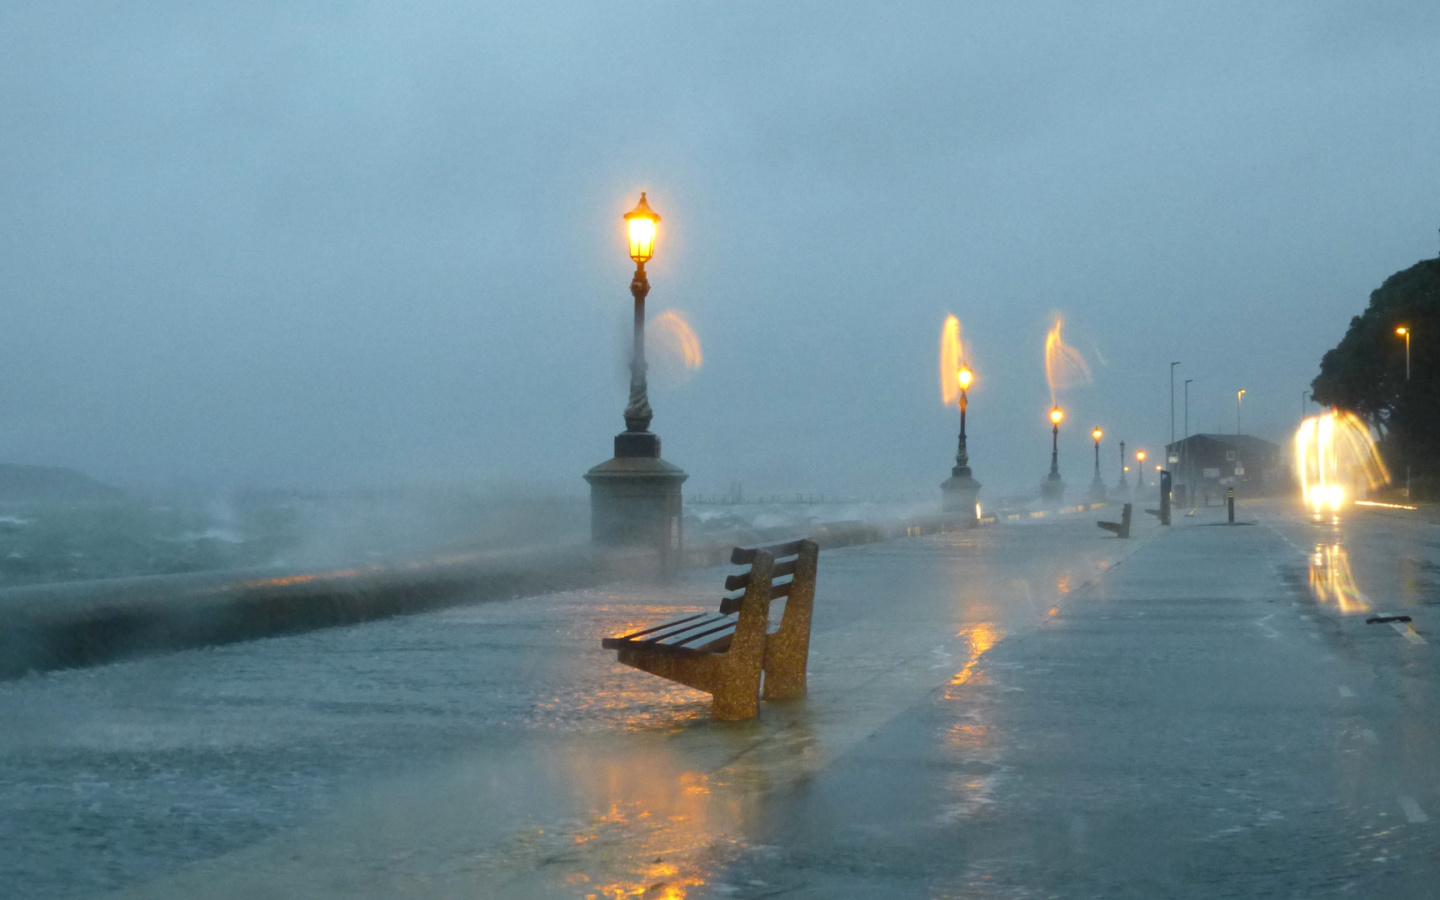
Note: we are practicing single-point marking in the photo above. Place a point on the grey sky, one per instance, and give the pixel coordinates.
(294, 243)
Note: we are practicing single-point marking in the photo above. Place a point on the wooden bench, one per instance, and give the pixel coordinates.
(726, 653)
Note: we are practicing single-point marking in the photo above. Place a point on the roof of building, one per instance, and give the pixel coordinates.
(1245, 443)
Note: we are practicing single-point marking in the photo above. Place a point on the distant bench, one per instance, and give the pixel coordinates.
(725, 653)
(1120, 528)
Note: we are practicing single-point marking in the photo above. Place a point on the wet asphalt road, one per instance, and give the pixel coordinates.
(1031, 710)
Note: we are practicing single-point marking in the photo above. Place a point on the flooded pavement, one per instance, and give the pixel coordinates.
(120, 775)
(1029, 710)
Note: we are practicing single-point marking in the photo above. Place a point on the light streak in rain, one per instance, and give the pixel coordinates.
(1336, 459)
(674, 346)
(952, 360)
(1065, 367)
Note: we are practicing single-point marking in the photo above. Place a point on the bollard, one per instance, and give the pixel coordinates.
(1164, 497)
(1230, 505)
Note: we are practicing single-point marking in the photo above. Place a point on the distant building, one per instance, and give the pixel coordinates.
(1208, 464)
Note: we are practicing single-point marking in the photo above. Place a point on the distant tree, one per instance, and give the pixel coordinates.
(1365, 372)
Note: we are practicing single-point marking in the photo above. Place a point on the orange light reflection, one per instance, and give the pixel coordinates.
(1332, 580)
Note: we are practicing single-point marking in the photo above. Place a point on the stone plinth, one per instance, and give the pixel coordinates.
(635, 501)
(1097, 492)
(1052, 489)
(958, 493)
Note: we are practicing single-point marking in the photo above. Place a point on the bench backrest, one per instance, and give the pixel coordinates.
(795, 561)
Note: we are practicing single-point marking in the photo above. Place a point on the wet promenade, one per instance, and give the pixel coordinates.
(1028, 710)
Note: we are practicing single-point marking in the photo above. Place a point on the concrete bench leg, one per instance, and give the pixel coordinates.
(787, 651)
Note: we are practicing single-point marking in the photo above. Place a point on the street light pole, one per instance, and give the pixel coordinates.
(642, 220)
(635, 496)
(1097, 485)
(1124, 483)
(1053, 488)
(1185, 449)
(1239, 401)
(1404, 331)
(959, 492)
(962, 458)
(1055, 416)
(1172, 401)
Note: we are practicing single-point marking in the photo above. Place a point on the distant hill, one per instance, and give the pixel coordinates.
(51, 484)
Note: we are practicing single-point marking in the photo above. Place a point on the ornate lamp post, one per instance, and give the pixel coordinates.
(1123, 488)
(1053, 488)
(1097, 486)
(1139, 470)
(958, 492)
(635, 496)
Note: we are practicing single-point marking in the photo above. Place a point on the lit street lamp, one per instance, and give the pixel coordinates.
(958, 492)
(641, 221)
(1124, 486)
(1139, 469)
(1404, 331)
(1239, 402)
(1097, 486)
(1053, 488)
(635, 496)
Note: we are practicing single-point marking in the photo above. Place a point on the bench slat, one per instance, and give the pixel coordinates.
(732, 604)
(740, 582)
(700, 629)
(697, 645)
(742, 555)
(652, 630)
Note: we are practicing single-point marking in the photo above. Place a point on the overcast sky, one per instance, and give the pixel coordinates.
(295, 243)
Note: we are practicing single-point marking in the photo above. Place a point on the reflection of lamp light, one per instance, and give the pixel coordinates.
(642, 220)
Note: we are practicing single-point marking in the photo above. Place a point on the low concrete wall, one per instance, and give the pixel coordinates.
(58, 626)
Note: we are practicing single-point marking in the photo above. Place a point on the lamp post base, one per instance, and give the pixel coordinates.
(958, 494)
(1097, 491)
(636, 501)
(1052, 489)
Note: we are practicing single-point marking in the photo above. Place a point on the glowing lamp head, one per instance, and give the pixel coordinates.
(1402, 330)
(1056, 415)
(1140, 455)
(1097, 434)
(964, 376)
(642, 221)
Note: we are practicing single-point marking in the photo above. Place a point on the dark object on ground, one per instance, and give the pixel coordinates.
(1379, 620)
(725, 653)
(1122, 527)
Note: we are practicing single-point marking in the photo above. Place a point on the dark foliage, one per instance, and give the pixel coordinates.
(1365, 372)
